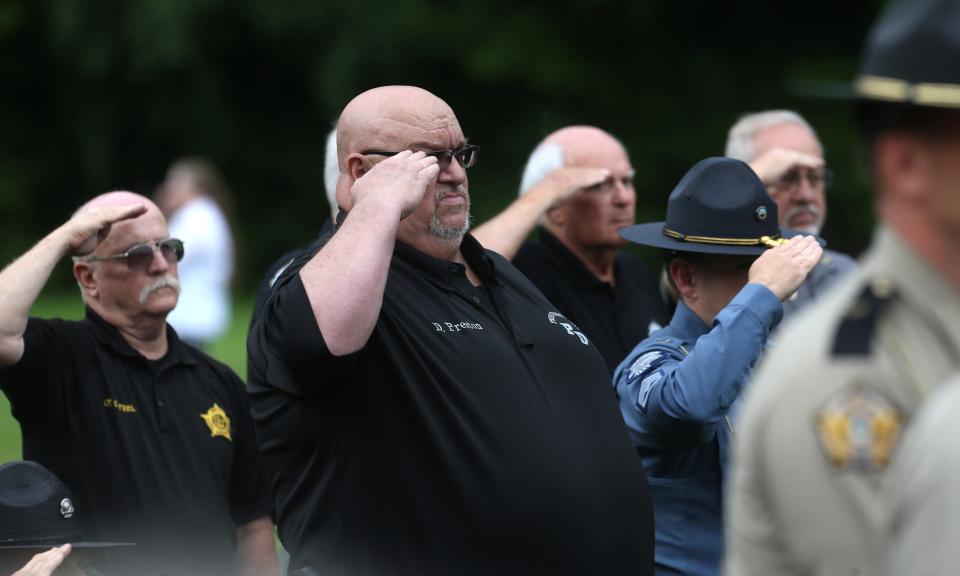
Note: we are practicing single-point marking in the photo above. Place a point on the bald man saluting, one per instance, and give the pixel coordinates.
(419, 402)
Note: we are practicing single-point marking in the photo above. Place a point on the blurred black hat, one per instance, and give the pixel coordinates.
(37, 510)
(911, 55)
(719, 207)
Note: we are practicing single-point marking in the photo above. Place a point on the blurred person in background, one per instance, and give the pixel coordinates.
(153, 436)
(197, 204)
(331, 174)
(784, 151)
(578, 185)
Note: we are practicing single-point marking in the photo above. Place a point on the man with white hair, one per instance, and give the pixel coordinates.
(153, 436)
(784, 151)
(331, 173)
(578, 184)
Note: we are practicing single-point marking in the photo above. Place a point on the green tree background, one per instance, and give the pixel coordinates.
(104, 94)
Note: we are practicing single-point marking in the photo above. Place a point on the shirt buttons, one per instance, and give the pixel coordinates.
(476, 300)
(161, 404)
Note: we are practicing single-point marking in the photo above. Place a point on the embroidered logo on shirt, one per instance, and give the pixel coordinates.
(455, 326)
(120, 406)
(570, 327)
(858, 429)
(641, 364)
(218, 422)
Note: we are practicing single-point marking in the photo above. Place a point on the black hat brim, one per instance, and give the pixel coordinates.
(48, 545)
(651, 234)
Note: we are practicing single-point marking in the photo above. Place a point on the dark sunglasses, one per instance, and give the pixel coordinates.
(466, 156)
(141, 255)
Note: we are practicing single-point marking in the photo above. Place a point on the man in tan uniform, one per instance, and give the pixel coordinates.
(824, 416)
(926, 502)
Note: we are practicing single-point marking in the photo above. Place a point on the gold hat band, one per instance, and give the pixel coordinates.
(767, 241)
(893, 90)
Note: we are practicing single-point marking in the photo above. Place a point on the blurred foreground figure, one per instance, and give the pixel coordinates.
(578, 184)
(784, 151)
(678, 388)
(824, 418)
(153, 436)
(195, 200)
(921, 534)
(38, 512)
(422, 407)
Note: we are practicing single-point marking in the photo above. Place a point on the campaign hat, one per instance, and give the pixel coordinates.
(719, 207)
(37, 510)
(911, 55)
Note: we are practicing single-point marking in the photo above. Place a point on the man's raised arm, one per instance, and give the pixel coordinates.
(22, 281)
(345, 280)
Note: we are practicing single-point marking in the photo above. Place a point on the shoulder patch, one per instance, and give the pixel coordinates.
(854, 335)
(859, 428)
(645, 387)
(641, 364)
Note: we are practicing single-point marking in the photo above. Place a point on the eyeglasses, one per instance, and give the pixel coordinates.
(466, 156)
(141, 255)
(815, 179)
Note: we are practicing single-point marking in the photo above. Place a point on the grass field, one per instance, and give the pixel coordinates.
(231, 349)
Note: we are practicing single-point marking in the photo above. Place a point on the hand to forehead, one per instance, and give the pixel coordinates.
(775, 163)
(784, 268)
(91, 225)
(563, 182)
(399, 181)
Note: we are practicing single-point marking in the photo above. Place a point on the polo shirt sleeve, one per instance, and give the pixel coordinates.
(287, 344)
(35, 384)
(250, 495)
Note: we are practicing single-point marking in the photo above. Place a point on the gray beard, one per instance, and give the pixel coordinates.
(451, 234)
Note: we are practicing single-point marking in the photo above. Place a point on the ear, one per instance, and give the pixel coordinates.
(685, 277)
(84, 273)
(356, 166)
(557, 216)
(903, 166)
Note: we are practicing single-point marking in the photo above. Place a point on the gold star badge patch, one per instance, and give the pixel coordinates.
(859, 429)
(218, 422)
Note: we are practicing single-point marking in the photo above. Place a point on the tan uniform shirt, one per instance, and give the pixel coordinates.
(825, 412)
(925, 476)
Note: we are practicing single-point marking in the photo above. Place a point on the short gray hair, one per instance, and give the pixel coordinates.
(740, 138)
(544, 159)
(331, 172)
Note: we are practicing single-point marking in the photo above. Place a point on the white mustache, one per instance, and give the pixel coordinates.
(804, 209)
(450, 190)
(165, 282)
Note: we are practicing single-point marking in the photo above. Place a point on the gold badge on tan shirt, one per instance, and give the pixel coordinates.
(858, 429)
(218, 422)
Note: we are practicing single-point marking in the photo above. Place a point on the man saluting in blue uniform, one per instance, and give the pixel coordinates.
(677, 389)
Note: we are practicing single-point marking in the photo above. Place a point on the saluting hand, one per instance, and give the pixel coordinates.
(774, 164)
(784, 268)
(561, 183)
(45, 563)
(87, 228)
(400, 180)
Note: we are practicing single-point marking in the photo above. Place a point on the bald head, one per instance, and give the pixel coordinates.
(393, 118)
(118, 198)
(582, 146)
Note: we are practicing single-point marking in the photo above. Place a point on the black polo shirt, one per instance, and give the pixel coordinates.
(616, 317)
(160, 453)
(475, 432)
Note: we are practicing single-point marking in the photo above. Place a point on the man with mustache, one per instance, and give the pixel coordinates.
(421, 405)
(153, 437)
(784, 151)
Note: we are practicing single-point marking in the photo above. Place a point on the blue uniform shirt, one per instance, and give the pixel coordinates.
(677, 390)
